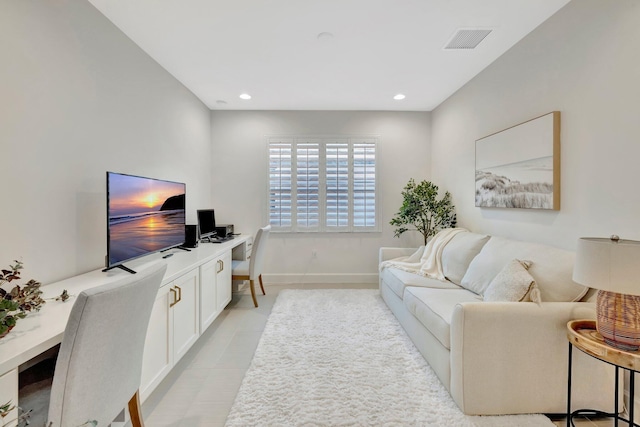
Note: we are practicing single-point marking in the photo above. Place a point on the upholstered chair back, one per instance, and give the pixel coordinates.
(100, 360)
(258, 252)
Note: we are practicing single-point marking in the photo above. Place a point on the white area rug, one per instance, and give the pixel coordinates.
(340, 358)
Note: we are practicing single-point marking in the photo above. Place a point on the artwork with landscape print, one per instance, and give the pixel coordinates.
(519, 167)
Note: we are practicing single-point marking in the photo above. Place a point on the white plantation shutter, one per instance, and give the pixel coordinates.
(280, 184)
(307, 185)
(323, 184)
(364, 184)
(337, 185)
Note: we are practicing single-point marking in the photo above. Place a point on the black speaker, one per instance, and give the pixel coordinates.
(224, 231)
(191, 236)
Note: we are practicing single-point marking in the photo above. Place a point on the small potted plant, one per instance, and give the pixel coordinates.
(17, 302)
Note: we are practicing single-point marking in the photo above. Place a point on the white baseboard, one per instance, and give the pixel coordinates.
(278, 279)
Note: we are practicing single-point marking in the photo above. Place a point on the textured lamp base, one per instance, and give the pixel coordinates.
(618, 319)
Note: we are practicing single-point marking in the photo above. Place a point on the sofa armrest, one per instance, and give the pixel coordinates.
(512, 358)
(386, 254)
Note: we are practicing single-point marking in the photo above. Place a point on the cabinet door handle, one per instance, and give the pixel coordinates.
(175, 297)
(179, 293)
(220, 266)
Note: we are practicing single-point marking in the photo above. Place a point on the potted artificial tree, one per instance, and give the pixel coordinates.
(423, 211)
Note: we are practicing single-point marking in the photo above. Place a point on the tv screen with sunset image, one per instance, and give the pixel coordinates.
(145, 215)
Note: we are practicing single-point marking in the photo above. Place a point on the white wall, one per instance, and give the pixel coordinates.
(78, 98)
(240, 186)
(585, 62)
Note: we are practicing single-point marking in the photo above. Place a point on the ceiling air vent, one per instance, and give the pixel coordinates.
(467, 39)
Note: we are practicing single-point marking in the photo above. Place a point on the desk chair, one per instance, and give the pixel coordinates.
(100, 361)
(252, 268)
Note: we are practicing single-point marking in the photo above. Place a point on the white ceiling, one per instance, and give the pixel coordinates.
(271, 50)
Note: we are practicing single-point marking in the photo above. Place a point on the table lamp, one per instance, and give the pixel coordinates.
(613, 267)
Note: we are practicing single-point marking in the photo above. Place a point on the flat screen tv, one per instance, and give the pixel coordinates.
(206, 223)
(144, 215)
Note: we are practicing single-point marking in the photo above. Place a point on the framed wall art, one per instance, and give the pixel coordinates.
(519, 167)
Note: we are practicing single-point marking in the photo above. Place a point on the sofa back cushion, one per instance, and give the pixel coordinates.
(552, 268)
(459, 252)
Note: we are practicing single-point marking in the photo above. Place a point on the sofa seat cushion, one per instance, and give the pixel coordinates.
(552, 268)
(434, 308)
(397, 280)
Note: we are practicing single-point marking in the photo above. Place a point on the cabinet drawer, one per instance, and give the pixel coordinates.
(243, 252)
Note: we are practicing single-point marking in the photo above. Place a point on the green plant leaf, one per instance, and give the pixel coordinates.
(7, 407)
(19, 301)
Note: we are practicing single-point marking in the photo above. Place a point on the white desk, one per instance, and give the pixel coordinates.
(42, 330)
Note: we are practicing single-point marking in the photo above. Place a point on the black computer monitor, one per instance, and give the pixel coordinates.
(206, 223)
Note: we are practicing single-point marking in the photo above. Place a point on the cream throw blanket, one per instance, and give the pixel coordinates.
(430, 264)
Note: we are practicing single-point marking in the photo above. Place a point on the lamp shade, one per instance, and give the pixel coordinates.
(608, 264)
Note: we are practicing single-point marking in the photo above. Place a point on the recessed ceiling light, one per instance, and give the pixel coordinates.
(245, 96)
(221, 102)
(399, 96)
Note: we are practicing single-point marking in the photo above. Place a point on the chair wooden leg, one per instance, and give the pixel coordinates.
(253, 292)
(135, 412)
(261, 287)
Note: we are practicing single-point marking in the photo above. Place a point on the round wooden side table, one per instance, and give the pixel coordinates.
(583, 335)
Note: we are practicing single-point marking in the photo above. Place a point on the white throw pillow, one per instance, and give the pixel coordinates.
(552, 268)
(513, 283)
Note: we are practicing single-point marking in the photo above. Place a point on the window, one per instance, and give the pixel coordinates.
(323, 184)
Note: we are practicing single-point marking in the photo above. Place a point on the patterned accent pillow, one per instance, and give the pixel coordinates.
(513, 283)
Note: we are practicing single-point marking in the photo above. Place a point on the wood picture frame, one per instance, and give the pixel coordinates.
(519, 167)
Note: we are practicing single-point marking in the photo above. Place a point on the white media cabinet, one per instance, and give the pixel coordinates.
(194, 291)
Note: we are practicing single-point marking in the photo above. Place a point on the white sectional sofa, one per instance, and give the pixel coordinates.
(498, 357)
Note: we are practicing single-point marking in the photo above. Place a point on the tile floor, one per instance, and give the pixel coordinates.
(200, 390)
